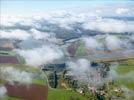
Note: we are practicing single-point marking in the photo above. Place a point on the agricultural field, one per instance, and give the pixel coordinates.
(22, 76)
(38, 74)
(125, 80)
(81, 50)
(126, 71)
(58, 94)
(9, 57)
(67, 50)
(7, 53)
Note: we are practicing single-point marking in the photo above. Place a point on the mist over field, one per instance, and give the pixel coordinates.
(85, 48)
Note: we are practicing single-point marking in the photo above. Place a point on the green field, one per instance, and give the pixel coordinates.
(7, 53)
(10, 98)
(58, 94)
(126, 71)
(81, 50)
(123, 69)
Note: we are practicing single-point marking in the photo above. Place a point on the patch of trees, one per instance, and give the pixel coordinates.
(53, 79)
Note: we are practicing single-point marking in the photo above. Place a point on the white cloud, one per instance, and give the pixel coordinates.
(80, 66)
(91, 43)
(11, 74)
(66, 20)
(122, 10)
(14, 34)
(39, 35)
(3, 91)
(47, 36)
(113, 43)
(83, 72)
(43, 55)
(109, 25)
(12, 20)
(98, 11)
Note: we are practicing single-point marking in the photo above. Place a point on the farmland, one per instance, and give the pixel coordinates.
(67, 50)
(124, 80)
(7, 53)
(59, 94)
(36, 83)
(8, 57)
(127, 73)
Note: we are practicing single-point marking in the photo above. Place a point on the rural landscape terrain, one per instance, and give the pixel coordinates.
(71, 50)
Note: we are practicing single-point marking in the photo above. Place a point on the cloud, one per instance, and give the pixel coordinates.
(109, 25)
(113, 43)
(91, 43)
(122, 10)
(63, 20)
(3, 91)
(79, 67)
(12, 20)
(24, 35)
(14, 34)
(11, 74)
(116, 76)
(98, 11)
(40, 56)
(128, 93)
(83, 72)
(39, 35)
(47, 36)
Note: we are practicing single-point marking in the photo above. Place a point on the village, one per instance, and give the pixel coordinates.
(56, 76)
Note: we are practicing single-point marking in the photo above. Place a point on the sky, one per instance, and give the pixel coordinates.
(33, 7)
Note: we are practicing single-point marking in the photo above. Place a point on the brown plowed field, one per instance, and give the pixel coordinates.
(72, 49)
(27, 92)
(9, 59)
